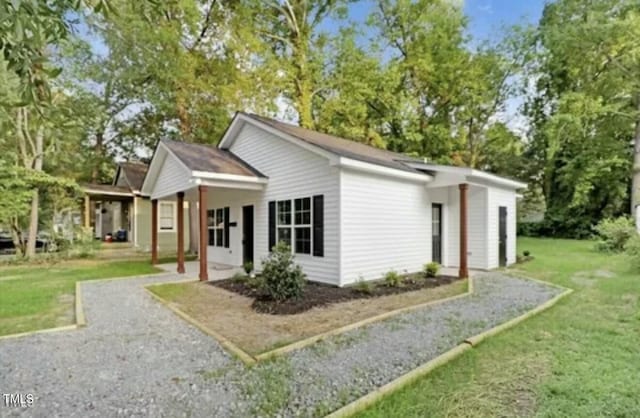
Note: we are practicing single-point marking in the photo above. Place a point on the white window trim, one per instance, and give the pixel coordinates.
(174, 206)
(295, 225)
(215, 228)
(292, 226)
(280, 226)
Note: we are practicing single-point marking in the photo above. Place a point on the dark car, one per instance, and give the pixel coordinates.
(7, 247)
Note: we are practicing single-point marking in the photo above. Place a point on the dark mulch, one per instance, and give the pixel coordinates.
(318, 294)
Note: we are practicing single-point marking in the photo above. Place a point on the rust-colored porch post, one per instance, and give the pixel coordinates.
(180, 232)
(154, 231)
(463, 273)
(202, 201)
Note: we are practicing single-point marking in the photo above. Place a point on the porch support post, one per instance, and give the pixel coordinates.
(154, 231)
(202, 201)
(463, 273)
(180, 232)
(87, 211)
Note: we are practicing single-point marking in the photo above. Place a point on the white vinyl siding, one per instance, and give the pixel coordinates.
(386, 226)
(173, 178)
(293, 172)
(501, 197)
(476, 227)
(166, 216)
(234, 200)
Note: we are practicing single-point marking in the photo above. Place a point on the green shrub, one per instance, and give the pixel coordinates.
(363, 286)
(613, 234)
(282, 278)
(239, 278)
(248, 267)
(632, 250)
(431, 269)
(392, 279)
(526, 253)
(255, 282)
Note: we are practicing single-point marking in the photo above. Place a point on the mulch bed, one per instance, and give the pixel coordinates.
(318, 294)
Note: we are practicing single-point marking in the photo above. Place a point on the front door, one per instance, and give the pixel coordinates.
(502, 234)
(247, 234)
(436, 233)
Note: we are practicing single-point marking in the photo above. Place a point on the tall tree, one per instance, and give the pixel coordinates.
(291, 31)
(584, 113)
(193, 65)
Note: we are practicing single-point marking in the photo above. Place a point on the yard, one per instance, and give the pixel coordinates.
(581, 358)
(43, 296)
(231, 314)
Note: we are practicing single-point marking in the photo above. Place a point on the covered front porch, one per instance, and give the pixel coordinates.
(108, 211)
(222, 191)
(225, 227)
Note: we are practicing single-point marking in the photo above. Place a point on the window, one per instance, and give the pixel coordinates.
(216, 227)
(284, 221)
(166, 214)
(299, 223)
(295, 228)
(303, 225)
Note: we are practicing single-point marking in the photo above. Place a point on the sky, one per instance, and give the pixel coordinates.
(486, 17)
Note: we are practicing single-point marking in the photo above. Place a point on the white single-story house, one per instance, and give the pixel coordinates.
(349, 211)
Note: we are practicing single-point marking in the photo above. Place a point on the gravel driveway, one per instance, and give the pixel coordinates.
(136, 358)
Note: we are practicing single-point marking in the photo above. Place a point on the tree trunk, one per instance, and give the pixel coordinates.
(99, 151)
(303, 83)
(35, 200)
(635, 183)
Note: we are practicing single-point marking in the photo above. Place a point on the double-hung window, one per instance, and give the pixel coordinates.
(302, 218)
(215, 225)
(166, 216)
(284, 221)
(294, 224)
(299, 223)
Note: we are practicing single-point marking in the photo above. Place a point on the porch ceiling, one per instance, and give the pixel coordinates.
(102, 192)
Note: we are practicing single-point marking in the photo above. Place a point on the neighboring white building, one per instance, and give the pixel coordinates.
(348, 210)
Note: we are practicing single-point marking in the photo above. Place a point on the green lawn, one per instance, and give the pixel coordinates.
(579, 359)
(39, 297)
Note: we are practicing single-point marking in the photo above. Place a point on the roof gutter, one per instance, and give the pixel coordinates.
(349, 163)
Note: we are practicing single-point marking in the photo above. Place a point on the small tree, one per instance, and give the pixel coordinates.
(283, 279)
(614, 233)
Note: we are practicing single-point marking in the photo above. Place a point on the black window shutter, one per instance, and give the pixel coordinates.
(318, 226)
(226, 227)
(272, 225)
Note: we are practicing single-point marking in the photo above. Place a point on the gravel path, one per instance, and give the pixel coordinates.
(136, 358)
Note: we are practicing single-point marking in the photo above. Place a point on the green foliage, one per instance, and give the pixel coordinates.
(632, 250)
(248, 267)
(393, 279)
(583, 112)
(541, 356)
(282, 278)
(431, 269)
(363, 286)
(239, 278)
(613, 234)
